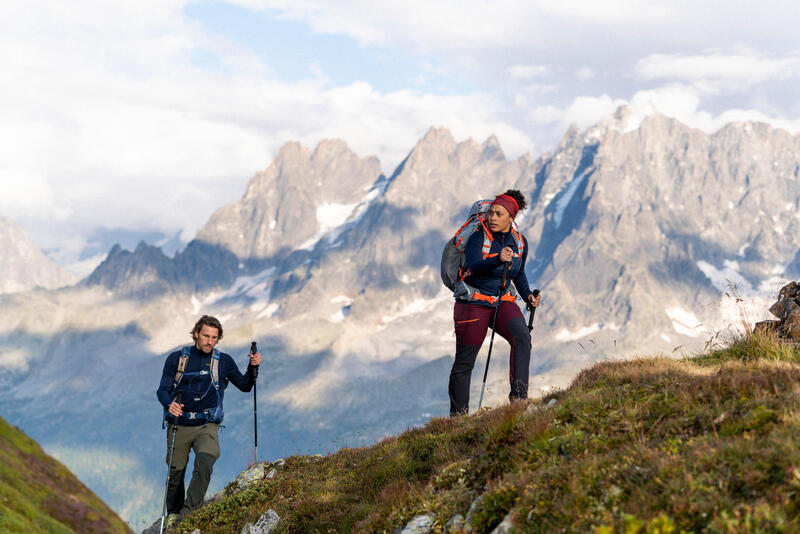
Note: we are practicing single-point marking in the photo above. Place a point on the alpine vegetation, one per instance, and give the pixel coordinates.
(39, 495)
(700, 444)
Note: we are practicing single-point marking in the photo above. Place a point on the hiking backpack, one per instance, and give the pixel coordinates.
(212, 415)
(453, 266)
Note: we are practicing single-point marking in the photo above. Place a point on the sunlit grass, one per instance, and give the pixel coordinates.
(703, 444)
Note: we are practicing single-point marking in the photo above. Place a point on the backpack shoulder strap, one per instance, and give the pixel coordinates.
(215, 369)
(181, 366)
(518, 238)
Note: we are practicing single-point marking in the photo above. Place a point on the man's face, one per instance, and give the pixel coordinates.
(207, 338)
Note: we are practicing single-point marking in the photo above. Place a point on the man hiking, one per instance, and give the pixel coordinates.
(199, 374)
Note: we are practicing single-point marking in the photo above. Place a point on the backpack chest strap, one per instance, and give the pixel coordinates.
(184, 358)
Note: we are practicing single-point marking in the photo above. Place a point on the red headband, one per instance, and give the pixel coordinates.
(508, 203)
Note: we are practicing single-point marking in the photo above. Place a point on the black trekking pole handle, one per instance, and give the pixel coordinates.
(254, 368)
(178, 400)
(532, 310)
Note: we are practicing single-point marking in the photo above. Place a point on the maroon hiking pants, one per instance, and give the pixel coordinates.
(472, 321)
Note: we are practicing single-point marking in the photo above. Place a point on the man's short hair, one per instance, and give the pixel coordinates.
(206, 320)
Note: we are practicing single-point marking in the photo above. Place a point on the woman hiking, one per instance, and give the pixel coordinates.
(494, 257)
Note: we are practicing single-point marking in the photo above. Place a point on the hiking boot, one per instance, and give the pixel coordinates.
(172, 521)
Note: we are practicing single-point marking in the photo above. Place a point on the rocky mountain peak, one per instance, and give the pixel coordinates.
(23, 266)
(490, 149)
(294, 201)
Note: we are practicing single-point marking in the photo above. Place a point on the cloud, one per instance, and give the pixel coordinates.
(108, 121)
(680, 101)
(718, 71)
(582, 112)
(457, 25)
(141, 117)
(526, 72)
(585, 73)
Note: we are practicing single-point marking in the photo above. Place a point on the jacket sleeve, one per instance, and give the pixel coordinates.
(473, 256)
(521, 280)
(164, 391)
(244, 382)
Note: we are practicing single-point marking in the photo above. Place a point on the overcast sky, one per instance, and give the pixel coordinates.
(150, 114)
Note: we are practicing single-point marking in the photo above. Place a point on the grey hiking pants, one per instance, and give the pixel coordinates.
(203, 440)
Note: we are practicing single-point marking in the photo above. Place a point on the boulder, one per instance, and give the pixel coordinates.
(253, 474)
(768, 327)
(505, 526)
(421, 524)
(791, 324)
(266, 524)
(787, 310)
(455, 524)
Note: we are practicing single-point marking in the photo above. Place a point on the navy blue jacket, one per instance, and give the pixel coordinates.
(197, 392)
(486, 275)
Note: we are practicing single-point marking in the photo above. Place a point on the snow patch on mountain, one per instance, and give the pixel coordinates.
(727, 277)
(329, 216)
(342, 313)
(255, 287)
(685, 322)
(565, 197)
(564, 335)
(14, 359)
(415, 307)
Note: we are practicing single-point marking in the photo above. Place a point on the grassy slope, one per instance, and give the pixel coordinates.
(39, 495)
(655, 445)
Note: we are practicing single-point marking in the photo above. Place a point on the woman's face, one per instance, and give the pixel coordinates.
(499, 219)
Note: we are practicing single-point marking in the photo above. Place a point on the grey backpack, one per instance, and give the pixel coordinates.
(453, 265)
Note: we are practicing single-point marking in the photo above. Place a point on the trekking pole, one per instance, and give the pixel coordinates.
(254, 371)
(494, 325)
(169, 465)
(532, 310)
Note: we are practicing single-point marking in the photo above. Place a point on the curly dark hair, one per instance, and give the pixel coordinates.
(206, 320)
(519, 197)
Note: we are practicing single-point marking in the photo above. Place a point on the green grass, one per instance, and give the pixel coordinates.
(707, 444)
(39, 495)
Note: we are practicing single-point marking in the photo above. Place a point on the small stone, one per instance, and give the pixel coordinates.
(266, 524)
(280, 462)
(505, 526)
(251, 475)
(421, 524)
(551, 403)
(455, 524)
(271, 473)
(196, 531)
(476, 504)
